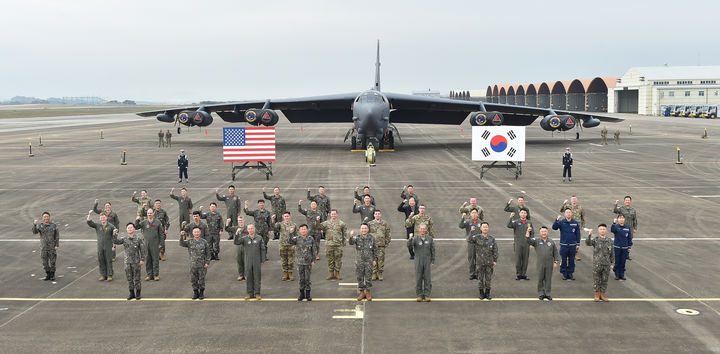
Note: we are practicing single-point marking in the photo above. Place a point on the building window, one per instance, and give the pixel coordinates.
(671, 93)
(687, 82)
(701, 93)
(716, 93)
(706, 82)
(687, 93)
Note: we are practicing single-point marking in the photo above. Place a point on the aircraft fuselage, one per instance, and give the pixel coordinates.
(371, 116)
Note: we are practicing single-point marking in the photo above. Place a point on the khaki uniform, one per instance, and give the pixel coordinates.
(161, 140)
(381, 231)
(417, 220)
(335, 236)
(287, 231)
(603, 136)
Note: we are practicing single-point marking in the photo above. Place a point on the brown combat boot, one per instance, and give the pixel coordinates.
(603, 297)
(361, 296)
(597, 296)
(331, 276)
(162, 256)
(290, 276)
(375, 276)
(285, 276)
(419, 299)
(380, 278)
(427, 298)
(577, 258)
(368, 297)
(337, 275)
(109, 279)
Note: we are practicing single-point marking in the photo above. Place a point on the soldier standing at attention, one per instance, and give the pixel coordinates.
(367, 210)
(214, 229)
(424, 247)
(335, 233)
(408, 206)
(421, 218)
(603, 259)
(182, 163)
(112, 217)
(578, 214)
(603, 135)
(199, 251)
(547, 256)
(236, 234)
(153, 234)
(381, 230)
(161, 215)
(323, 202)
(516, 208)
(365, 260)
(409, 192)
(143, 203)
(622, 244)
(168, 135)
(104, 232)
(185, 206)
(567, 164)
(161, 141)
(366, 192)
(232, 203)
(277, 203)
(569, 243)
(629, 213)
(263, 222)
(287, 230)
(255, 250)
(520, 245)
(471, 226)
(310, 217)
(49, 242)
(134, 255)
(487, 256)
(304, 259)
(617, 136)
(196, 223)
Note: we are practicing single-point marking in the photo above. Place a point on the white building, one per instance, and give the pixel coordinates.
(644, 90)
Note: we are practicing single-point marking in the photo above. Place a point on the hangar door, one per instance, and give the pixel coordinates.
(627, 101)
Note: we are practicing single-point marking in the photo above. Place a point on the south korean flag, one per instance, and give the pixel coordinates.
(502, 143)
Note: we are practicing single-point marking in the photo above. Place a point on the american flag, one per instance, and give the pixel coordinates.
(249, 144)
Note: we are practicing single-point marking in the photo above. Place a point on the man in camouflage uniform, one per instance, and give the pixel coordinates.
(335, 234)
(471, 226)
(214, 229)
(104, 232)
(134, 255)
(366, 210)
(277, 203)
(287, 229)
(199, 251)
(323, 202)
(161, 215)
(424, 248)
(232, 202)
(546, 253)
(263, 221)
(617, 136)
(366, 192)
(630, 215)
(522, 250)
(196, 222)
(49, 242)
(603, 135)
(603, 260)
(143, 202)
(304, 259)
(112, 217)
(254, 248)
(578, 214)
(236, 234)
(365, 259)
(466, 208)
(487, 256)
(153, 234)
(310, 217)
(409, 192)
(509, 208)
(161, 140)
(168, 136)
(185, 206)
(421, 218)
(381, 230)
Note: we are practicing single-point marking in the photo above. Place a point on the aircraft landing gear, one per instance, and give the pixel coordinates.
(353, 143)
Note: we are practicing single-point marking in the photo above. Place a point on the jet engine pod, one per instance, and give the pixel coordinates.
(184, 117)
(268, 117)
(478, 118)
(201, 118)
(591, 122)
(252, 116)
(567, 122)
(164, 117)
(495, 118)
(550, 122)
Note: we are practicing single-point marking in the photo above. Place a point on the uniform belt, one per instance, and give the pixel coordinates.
(568, 244)
(622, 247)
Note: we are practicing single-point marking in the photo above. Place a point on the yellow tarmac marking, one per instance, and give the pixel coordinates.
(340, 299)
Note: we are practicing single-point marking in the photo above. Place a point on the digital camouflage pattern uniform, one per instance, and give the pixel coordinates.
(629, 214)
(603, 257)
(203, 229)
(104, 247)
(255, 250)
(199, 251)
(323, 204)
(49, 239)
(134, 253)
(214, 228)
(304, 257)
(310, 219)
(578, 212)
(277, 204)
(466, 208)
(405, 195)
(287, 231)
(487, 253)
(366, 252)
(335, 236)
(184, 207)
(381, 231)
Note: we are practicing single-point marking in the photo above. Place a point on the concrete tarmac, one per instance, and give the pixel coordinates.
(674, 260)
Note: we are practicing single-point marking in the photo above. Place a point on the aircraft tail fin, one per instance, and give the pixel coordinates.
(377, 68)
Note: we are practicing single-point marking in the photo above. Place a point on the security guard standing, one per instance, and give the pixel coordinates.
(199, 251)
(161, 140)
(50, 242)
(547, 256)
(567, 161)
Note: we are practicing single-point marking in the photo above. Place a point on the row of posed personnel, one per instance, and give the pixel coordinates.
(322, 222)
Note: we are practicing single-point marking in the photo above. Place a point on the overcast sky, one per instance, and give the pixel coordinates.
(182, 51)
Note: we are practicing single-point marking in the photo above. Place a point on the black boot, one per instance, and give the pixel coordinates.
(47, 276)
(202, 294)
(482, 293)
(217, 256)
(137, 294)
(487, 294)
(52, 276)
(132, 294)
(301, 297)
(307, 295)
(196, 294)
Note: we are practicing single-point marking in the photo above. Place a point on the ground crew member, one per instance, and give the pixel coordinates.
(424, 247)
(603, 259)
(214, 229)
(196, 222)
(622, 245)
(304, 259)
(104, 232)
(236, 234)
(366, 192)
(569, 242)
(310, 217)
(134, 255)
(161, 215)
(471, 226)
(487, 257)
(516, 208)
(381, 230)
(263, 222)
(578, 214)
(421, 218)
(603, 135)
(277, 204)
(153, 234)
(112, 217)
(49, 242)
(409, 192)
(168, 135)
(567, 161)
(617, 136)
(547, 256)
(287, 230)
(143, 202)
(199, 251)
(408, 206)
(630, 215)
(323, 202)
(522, 250)
(161, 139)
(232, 203)
(182, 163)
(365, 260)
(185, 206)
(366, 210)
(335, 232)
(465, 209)
(255, 250)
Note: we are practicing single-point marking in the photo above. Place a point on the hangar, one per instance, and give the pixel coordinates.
(576, 95)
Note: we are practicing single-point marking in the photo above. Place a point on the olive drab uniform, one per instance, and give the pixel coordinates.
(263, 222)
(232, 203)
(629, 214)
(617, 136)
(487, 252)
(153, 233)
(405, 195)
(366, 213)
(168, 136)
(278, 207)
(305, 252)
(134, 253)
(239, 249)
(381, 231)
(313, 231)
(143, 203)
(365, 254)
(407, 209)
(214, 228)
(516, 209)
(185, 205)
(603, 135)
(104, 246)
(199, 251)
(416, 220)
(162, 215)
(424, 249)
(255, 250)
(49, 239)
(361, 198)
(323, 204)
(112, 218)
(468, 224)
(520, 245)
(335, 236)
(161, 139)
(546, 253)
(287, 231)
(603, 257)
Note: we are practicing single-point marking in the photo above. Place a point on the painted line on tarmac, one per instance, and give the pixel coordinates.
(593, 144)
(626, 150)
(437, 239)
(339, 299)
(706, 196)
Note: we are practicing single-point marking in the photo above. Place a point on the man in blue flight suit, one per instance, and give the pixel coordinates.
(182, 167)
(567, 164)
(569, 243)
(623, 243)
